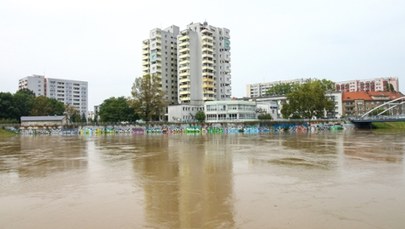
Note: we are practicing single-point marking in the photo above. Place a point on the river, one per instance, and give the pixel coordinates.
(347, 179)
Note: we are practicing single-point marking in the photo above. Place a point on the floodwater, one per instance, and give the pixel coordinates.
(349, 179)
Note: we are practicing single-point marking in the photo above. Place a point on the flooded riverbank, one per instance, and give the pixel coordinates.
(349, 179)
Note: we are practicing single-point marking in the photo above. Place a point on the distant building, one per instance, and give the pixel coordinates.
(35, 83)
(377, 84)
(159, 57)
(260, 89)
(69, 92)
(358, 103)
(230, 111)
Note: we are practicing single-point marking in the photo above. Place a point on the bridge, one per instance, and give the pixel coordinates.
(365, 121)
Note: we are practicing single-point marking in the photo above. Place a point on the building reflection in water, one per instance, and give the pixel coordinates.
(187, 181)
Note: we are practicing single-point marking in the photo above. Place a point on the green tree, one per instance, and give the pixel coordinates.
(8, 110)
(327, 85)
(24, 102)
(72, 113)
(281, 89)
(148, 98)
(117, 110)
(264, 116)
(200, 116)
(44, 106)
(307, 100)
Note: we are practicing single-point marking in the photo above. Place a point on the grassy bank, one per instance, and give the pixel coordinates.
(389, 125)
(6, 133)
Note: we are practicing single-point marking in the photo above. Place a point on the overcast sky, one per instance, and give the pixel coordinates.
(100, 41)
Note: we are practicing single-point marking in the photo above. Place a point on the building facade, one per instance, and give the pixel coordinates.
(203, 67)
(159, 58)
(69, 92)
(260, 89)
(377, 84)
(183, 113)
(230, 111)
(358, 103)
(35, 83)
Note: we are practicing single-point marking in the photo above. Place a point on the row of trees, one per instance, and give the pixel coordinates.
(25, 103)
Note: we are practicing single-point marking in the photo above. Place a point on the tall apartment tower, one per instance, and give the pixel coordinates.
(69, 92)
(159, 57)
(204, 69)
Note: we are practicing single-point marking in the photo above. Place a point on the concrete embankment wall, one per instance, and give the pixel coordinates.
(186, 128)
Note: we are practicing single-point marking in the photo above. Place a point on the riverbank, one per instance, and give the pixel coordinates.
(6, 133)
(290, 126)
(389, 125)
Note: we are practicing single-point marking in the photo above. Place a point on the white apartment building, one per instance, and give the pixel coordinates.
(260, 89)
(204, 69)
(70, 92)
(377, 84)
(159, 57)
(35, 83)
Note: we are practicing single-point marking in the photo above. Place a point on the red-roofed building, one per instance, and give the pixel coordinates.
(358, 103)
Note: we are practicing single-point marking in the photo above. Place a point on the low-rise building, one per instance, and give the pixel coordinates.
(271, 105)
(360, 102)
(43, 121)
(230, 111)
(183, 113)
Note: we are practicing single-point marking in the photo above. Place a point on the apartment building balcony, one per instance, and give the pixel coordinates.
(184, 62)
(207, 49)
(185, 92)
(145, 51)
(209, 98)
(145, 63)
(208, 86)
(208, 61)
(184, 38)
(184, 86)
(184, 74)
(208, 38)
(184, 55)
(208, 55)
(184, 68)
(207, 67)
(185, 49)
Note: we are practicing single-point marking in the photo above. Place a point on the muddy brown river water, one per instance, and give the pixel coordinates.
(348, 179)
